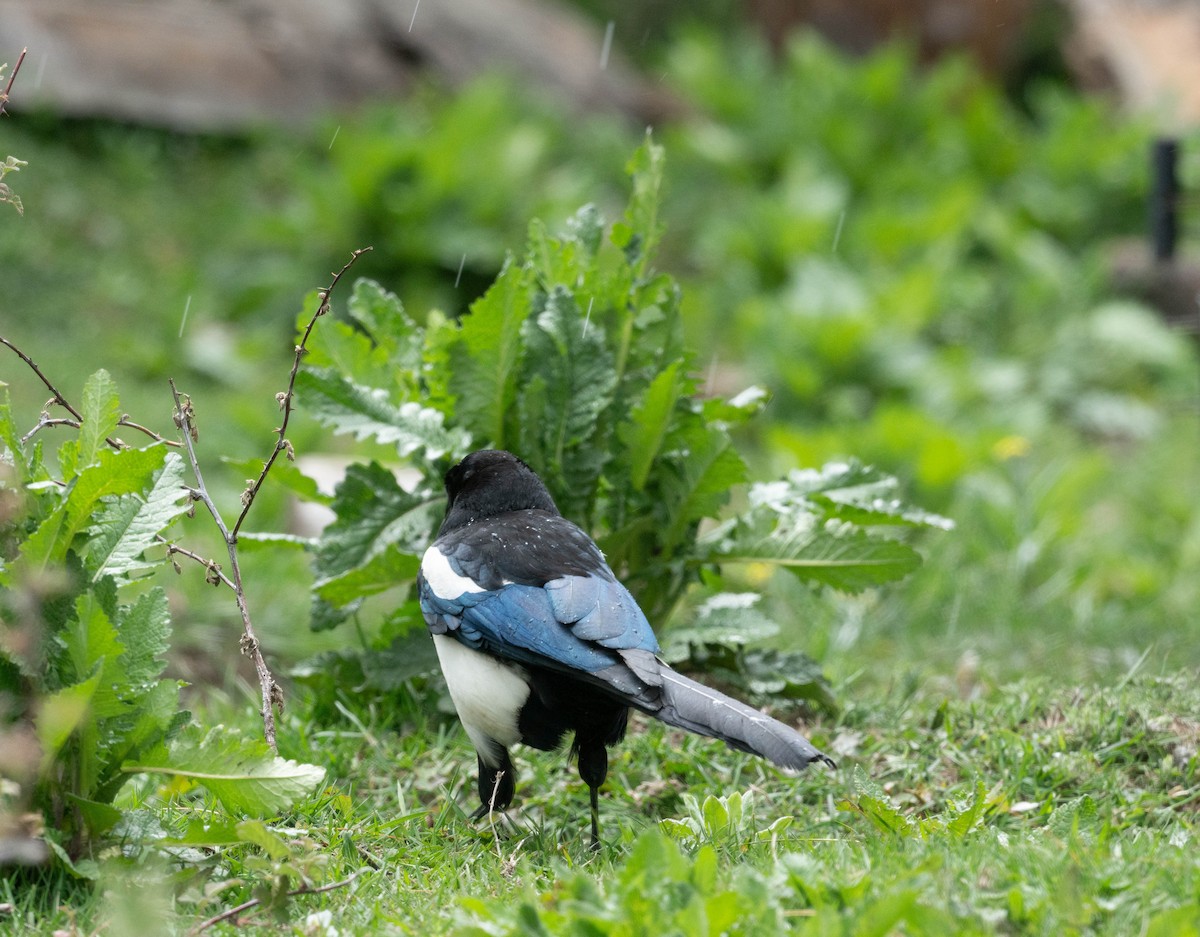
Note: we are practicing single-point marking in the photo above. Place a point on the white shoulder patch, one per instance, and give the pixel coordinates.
(444, 582)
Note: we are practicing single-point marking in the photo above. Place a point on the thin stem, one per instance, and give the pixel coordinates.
(45, 422)
(214, 574)
(8, 87)
(285, 399)
(185, 419)
(125, 421)
(58, 400)
(272, 696)
(255, 902)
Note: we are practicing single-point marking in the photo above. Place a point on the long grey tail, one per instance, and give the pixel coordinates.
(698, 708)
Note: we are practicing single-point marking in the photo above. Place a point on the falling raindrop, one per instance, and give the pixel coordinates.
(607, 47)
(414, 16)
(837, 234)
(460, 269)
(334, 137)
(186, 306)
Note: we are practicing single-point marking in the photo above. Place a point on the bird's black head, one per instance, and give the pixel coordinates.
(491, 482)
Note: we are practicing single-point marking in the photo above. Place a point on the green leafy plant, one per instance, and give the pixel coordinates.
(871, 802)
(726, 820)
(85, 638)
(575, 359)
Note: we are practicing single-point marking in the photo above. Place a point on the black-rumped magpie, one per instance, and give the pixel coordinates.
(536, 637)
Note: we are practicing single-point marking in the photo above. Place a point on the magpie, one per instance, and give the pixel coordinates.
(537, 638)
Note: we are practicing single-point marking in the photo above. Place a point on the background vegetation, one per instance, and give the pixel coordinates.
(916, 270)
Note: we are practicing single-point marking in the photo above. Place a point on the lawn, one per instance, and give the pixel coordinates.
(1016, 721)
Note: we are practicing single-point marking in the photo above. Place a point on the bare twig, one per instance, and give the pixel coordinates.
(125, 421)
(272, 696)
(11, 79)
(213, 575)
(76, 419)
(185, 419)
(45, 421)
(285, 398)
(255, 902)
(58, 399)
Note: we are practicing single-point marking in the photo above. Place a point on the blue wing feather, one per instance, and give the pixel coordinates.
(578, 622)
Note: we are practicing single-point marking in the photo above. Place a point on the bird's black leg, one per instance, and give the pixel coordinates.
(593, 768)
(595, 795)
(497, 785)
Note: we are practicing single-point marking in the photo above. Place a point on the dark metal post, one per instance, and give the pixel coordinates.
(1164, 198)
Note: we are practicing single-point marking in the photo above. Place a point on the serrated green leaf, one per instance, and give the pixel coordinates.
(368, 413)
(129, 524)
(60, 714)
(705, 467)
(872, 803)
(569, 382)
(1069, 819)
(91, 641)
(373, 513)
(379, 347)
(100, 409)
(381, 313)
(963, 822)
(849, 491)
(114, 473)
(639, 234)
(487, 361)
(244, 774)
(99, 817)
(10, 436)
(847, 560)
(145, 630)
(649, 421)
(156, 718)
(384, 570)
(41, 546)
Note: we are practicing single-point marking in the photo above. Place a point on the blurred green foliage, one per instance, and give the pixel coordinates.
(911, 265)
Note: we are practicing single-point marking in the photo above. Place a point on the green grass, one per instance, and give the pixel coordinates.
(1087, 826)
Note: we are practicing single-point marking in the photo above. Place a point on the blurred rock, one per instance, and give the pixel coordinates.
(205, 64)
(989, 29)
(1147, 51)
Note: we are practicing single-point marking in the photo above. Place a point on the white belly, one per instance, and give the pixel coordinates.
(488, 695)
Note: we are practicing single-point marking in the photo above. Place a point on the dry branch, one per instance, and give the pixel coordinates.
(185, 419)
(285, 398)
(8, 88)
